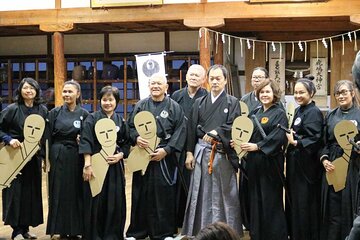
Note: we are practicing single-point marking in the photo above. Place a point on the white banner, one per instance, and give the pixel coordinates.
(147, 65)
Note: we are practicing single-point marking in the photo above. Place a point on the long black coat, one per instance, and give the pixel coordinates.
(265, 169)
(303, 174)
(65, 177)
(22, 201)
(339, 209)
(105, 214)
(153, 203)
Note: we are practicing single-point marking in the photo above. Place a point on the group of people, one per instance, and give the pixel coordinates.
(191, 181)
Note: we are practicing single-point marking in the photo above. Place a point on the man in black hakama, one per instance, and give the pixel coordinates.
(186, 97)
(213, 192)
(153, 204)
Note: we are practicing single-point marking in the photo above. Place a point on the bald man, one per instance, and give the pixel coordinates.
(185, 97)
(153, 203)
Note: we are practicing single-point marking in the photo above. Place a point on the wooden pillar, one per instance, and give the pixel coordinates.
(59, 67)
(250, 63)
(205, 51)
(218, 50)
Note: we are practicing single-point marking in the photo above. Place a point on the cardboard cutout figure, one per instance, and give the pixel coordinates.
(145, 125)
(290, 112)
(105, 130)
(241, 132)
(244, 109)
(343, 131)
(12, 160)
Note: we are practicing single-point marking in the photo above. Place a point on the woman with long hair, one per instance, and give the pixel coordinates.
(339, 208)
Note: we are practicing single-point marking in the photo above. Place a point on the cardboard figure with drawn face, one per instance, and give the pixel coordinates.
(244, 109)
(343, 131)
(145, 125)
(105, 130)
(12, 160)
(241, 132)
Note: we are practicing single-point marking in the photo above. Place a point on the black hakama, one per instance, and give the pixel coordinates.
(303, 174)
(265, 169)
(153, 203)
(22, 201)
(105, 214)
(65, 177)
(182, 97)
(339, 209)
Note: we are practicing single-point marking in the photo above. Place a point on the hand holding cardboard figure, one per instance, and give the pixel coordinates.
(105, 130)
(241, 132)
(13, 160)
(145, 125)
(343, 130)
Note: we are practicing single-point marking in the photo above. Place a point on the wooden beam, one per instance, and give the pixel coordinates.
(204, 22)
(355, 19)
(218, 10)
(60, 27)
(284, 1)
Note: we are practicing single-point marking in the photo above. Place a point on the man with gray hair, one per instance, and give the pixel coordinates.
(153, 209)
(186, 97)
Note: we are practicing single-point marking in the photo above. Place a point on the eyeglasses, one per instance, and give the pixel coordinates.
(258, 77)
(342, 93)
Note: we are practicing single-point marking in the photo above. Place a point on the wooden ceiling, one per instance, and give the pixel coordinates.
(297, 21)
(267, 29)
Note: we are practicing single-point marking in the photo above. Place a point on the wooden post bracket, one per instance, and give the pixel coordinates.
(56, 27)
(355, 19)
(204, 22)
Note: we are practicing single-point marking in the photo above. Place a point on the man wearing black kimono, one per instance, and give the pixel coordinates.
(186, 97)
(213, 192)
(153, 203)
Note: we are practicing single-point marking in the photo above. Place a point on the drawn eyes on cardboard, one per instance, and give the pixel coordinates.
(109, 131)
(241, 133)
(146, 127)
(32, 130)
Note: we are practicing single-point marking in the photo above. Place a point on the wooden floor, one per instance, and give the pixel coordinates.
(5, 231)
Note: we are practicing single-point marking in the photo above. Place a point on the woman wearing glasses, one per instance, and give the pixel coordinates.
(259, 74)
(338, 207)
